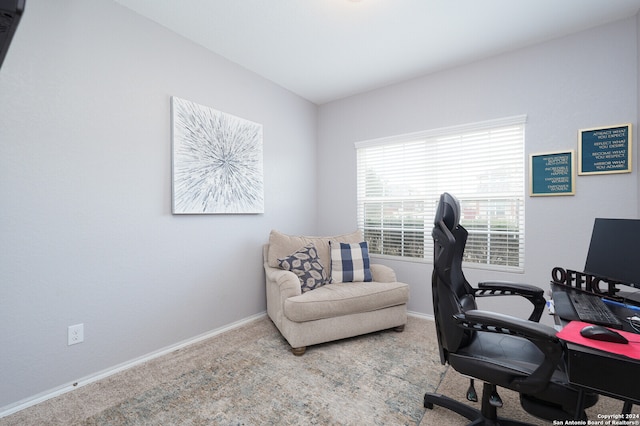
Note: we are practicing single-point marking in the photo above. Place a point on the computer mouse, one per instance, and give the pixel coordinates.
(598, 332)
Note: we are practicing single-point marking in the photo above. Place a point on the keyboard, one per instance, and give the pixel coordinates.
(585, 307)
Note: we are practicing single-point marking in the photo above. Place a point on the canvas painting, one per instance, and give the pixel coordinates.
(217, 161)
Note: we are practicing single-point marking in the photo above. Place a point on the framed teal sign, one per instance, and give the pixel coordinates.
(605, 150)
(552, 173)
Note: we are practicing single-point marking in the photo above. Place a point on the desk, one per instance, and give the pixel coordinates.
(607, 374)
(602, 372)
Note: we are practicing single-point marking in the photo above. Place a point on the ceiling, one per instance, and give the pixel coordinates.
(324, 50)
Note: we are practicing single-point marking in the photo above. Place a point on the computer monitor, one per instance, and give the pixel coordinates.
(614, 251)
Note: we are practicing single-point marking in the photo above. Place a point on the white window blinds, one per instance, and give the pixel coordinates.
(400, 180)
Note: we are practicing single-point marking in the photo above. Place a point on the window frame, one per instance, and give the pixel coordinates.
(514, 196)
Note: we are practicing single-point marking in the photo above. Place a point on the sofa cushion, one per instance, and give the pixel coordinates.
(282, 245)
(349, 262)
(307, 266)
(334, 300)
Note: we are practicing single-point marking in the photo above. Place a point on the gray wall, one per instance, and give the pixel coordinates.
(87, 234)
(585, 80)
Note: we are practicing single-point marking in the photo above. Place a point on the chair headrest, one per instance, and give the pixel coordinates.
(448, 211)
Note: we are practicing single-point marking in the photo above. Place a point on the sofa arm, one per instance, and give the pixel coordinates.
(287, 282)
(382, 273)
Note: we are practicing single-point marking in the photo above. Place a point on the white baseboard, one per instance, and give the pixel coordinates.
(52, 393)
(421, 315)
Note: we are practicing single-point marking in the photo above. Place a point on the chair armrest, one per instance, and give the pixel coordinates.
(382, 273)
(506, 324)
(543, 336)
(533, 294)
(520, 288)
(287, 282)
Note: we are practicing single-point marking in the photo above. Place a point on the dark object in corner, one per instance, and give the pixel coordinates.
(10, 14)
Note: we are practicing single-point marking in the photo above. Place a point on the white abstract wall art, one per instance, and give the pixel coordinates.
(217, 161)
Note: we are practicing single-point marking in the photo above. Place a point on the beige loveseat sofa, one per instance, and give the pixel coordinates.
(335, 310)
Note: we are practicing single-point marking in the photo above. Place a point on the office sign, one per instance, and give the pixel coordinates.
(605, 150)
(552, 174)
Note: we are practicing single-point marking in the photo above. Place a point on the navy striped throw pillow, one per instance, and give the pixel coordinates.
(349, 262)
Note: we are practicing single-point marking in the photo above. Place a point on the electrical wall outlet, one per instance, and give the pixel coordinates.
(75, 334)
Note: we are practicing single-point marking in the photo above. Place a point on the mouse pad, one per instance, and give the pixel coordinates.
(571, 333)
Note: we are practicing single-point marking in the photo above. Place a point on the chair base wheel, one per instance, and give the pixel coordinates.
(487, 416)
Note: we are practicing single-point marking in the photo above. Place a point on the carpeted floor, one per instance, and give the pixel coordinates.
(247, 376)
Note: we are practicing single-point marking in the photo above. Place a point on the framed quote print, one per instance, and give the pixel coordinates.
(552, 173)
(605, 150)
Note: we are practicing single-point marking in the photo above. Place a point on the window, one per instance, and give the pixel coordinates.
(400, 180)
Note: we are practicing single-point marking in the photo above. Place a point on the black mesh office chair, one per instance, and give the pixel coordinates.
(498, 349)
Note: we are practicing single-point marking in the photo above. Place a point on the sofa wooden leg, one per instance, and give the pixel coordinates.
(299, 351)
(399, 328)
